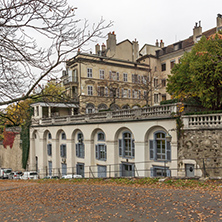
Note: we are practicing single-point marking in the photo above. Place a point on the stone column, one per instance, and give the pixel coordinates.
(41, 154)
(89, 160)
(55, 157)
(141, 158)
(112, 159)
(69, 156)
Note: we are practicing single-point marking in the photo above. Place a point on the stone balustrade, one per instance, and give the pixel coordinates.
(202, 121)
(150, 112)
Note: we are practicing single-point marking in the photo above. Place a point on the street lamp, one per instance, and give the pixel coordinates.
(168, 136)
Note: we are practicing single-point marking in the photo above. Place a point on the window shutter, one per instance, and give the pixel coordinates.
(168, 172)
(168, 151)
(83, 150)
(120, 148)
(151, 172)
(97, 152)
(133, 148)
(105, 152)
(77, 150)
(64, 150)
(61, 150)
(151, 150)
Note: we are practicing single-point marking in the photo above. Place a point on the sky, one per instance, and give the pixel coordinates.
(148, 20)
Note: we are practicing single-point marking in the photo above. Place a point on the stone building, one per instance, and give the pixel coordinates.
(120, 70)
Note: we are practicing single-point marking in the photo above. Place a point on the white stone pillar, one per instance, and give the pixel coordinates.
(49, 111)
(32, 159)
(41, 154)
(69, 156)
(89, 158)
(55, 157)
(140, 159)
(112, 159)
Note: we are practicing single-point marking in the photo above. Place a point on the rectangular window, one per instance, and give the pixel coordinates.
(155, 82)
(125, 77)
(125, 93)
(89, 72)
(101, 171)
(90, 90)
(156, 98)
(172, 62)
(129, 93)
(101, 91)
(163, 66)
(106, 91)
(101, 74)
(163, 97)
(63, 150)
(80, 150)
(101, 152)
(163, 82)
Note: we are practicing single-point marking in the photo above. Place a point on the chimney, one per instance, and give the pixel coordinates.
(161, 44)
(157, 43)
(135, 50)
(197, 31)
(97, 48)
(219, 22)
(111, 43)
(103, 47)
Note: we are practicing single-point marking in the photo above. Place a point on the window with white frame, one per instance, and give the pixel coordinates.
(101, 74)
(159, 148)
(89, 90)
(80, 147)
(125, 93)
(126, 145)
(155, 82)
(156, 98)
(106, 91)
(101, 91)
(49, 149)
(125, 77)
(89, 72)
(101, 151)
(63, 150)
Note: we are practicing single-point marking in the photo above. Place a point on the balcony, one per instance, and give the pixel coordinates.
(70, 79)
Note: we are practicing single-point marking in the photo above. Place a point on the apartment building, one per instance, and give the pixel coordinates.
(120, 76)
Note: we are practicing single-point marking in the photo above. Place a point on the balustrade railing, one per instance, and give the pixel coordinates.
(202, 121)
(157, 111)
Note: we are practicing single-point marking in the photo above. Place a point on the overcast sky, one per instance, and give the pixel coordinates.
(148, 20)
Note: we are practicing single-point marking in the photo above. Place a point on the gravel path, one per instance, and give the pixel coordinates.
(68, 202)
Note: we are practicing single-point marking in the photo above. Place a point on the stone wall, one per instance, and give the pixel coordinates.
(204, 146)
(11, 157)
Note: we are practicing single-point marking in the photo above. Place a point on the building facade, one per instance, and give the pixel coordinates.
(119, 75)
(107, 144)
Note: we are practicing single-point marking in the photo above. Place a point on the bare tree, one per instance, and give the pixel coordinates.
(35, 38)
(148, 84)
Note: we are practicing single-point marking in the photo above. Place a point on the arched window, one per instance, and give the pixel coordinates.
(159, 148)
(49, 136)
(80, 147)
(101, 136)
(63, 136)
(101, 148)
(90, 108)
(126, 146)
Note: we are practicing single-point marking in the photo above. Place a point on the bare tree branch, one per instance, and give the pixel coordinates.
(36, 36)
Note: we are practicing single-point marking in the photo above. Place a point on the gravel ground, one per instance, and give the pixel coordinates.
(22, 201)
